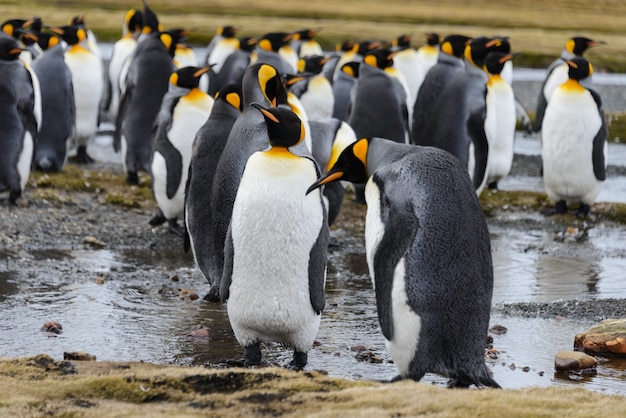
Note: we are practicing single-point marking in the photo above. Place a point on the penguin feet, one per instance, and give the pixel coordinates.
(559, 209)
(251, 357)
(81, 155)
(175, 228)
(213, 295)
(132, 178)
(583, 211)
(299, 360)
(158, 219)
(493, 185)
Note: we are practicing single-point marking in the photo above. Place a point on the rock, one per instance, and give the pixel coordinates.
(186, 294)
(573, 360)
(78, 356)
(52, 326)
(498, 329)
(94, 242)
(606, 339)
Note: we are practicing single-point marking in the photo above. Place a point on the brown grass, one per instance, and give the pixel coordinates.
(537, 28)
(107, 389)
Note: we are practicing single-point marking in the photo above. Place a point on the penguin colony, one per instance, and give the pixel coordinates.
(249, 148)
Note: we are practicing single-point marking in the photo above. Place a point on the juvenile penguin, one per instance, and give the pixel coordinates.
(183, 112)
(450, 63)
(18, 123)
(428, 292)
(261, 84)
(146, 83)
(122, 49)
(557, 73)
(88, 85)
(57, 99)
(207, 149)
(276, 249)
(500, 119)
(574, 147)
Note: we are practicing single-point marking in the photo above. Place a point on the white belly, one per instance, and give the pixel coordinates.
(500, 123)
(274, 226)
(25, 159)
(569, 127)
(406, 323)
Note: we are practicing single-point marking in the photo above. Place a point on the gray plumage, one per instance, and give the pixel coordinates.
(146, 84)
(58, 113)
(18, 119)
(248, 135)
(208, 146)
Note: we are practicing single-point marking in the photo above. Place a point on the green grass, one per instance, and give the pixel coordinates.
(538, 29)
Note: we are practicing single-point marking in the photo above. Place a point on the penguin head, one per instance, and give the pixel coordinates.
(247, 43)
(171, 38)
(312, 64)
(274, 41)
(133, 21)
(478, 48)
(346, 46)
(34, 23)
(11, 26)
(495, 60)
(188, 77)
(454, 45)
(432, 39)
(29, 38)
(227, 31)
(579, 68)
(579, 44)
(401, 42)
(9, 49)
(364, 47)
(351, 69)
(266, 78)
(72, 34)
(47, 40)
(284, 128)
(381, 58)
(231, 94)
(351, 165)
(150, 20)
(305, 34)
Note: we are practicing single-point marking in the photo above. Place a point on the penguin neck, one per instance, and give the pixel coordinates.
(76, 48)
(195, 94)
(280, 152)
(494, 79)
(572, 85)
(382, 152)
(177, 91)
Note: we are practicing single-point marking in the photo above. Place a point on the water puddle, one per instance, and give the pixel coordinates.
(132, 317)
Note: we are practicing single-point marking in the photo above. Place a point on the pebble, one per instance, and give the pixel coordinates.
(573, 360)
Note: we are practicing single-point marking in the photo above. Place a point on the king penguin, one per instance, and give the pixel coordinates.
(18, 123)
(457, 122)
(146, 83)
(574, 142)
(57, 100)
(276, 249)
(557, 73)
(449, 64)
(376, 107)
(500, 119)
(273, 49)
(88, 85)
(342, 89)
(433, 300)
(184, 109)
(122, 49)
(261, 84)
(304, 44)
(207, 149)
(315, 91)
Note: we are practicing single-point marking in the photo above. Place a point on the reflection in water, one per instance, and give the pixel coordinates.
(137, 314)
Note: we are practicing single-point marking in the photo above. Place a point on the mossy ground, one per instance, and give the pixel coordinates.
(42, 386)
